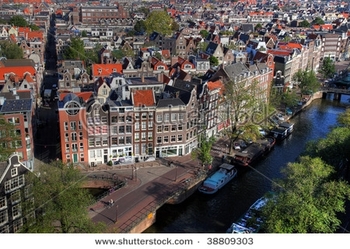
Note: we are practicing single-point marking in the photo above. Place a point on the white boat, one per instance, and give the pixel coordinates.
(251, 221)
(212, 184)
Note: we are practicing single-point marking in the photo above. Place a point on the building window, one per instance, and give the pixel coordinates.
(80, 126)
(137, 137)
(3, 217)
(16, 211)
(14, 183)
(114, 141)
(91, 142)
(159, 140)
(114, 119)
(159, 118)
(104, 141)
(128, 140)
(179, 138)
(14, 172)
(121, 140)
(150, 136)
(173, 116)
(173, 128)
(150, 124)
(166, 139)
(3, 203)
(173, 138)
(73, 126)
(159, 128)
(166, 117)
(137, 126)
(128, 129)
(143, 136)
(66, 126)
(166, 128)
(179, 127)
(17, 224)
(143, 125)
(74, 147)
(74, 136)
(121, 129)
(15, 196)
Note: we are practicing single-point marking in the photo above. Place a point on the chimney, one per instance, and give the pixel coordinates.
(142, 78)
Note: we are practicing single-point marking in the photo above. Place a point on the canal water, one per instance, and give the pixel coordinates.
(214, 214)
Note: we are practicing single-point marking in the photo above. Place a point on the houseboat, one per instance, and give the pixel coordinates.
(253, 152)
(220, 178)
(282, 131)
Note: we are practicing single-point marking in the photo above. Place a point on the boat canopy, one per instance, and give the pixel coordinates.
(226, 166)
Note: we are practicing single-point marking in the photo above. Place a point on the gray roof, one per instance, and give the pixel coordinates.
(18, 62)
(236, 69)
(171, 101)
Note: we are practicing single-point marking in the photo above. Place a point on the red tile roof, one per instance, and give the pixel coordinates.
(216, 85)
(106, 69)
(143, 97)
(19, 71)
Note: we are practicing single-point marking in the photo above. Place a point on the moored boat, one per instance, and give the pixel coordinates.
(282, 131)
(253, 152)
(251, 221)
(220, 178)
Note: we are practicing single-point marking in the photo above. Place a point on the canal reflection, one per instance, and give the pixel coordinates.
(214, 214)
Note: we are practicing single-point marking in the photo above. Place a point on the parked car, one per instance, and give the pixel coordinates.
(150, 159)
(236, 146)
(262, 131)
(280, 117)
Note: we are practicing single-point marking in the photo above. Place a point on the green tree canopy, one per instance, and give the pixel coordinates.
(308, 199)
(18, 21)
(344, 118)
(61, 203)
(307, 81)
(258, 26)
(140, 26)
(75, 50)
(8, 139)
(318, 20)
(10, 50)
(290, 98)
(160, 22)
(242, 106)
(204, 33)
(203, 152)
(304, 24)
(328, 68)
(213, 61)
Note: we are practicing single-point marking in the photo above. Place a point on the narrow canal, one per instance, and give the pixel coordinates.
(214, 214)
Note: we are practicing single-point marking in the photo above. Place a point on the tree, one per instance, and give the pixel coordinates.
(157, 55)
(304, 24)
(140, 26)
(290, 99)
(33, 27)
(242, 106)
(75, 50)
(318, 20)
(213, 61)
(204, 33)
(307, 81)
(8, 139)
(61, 203)
(344, 118)
(258, 26)
(118, 54)
(328, 68)
(160, 22)
(10, 50)
(203, 152)
(18, 21)
(334, 149)
(84, 33)
(307, 200)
